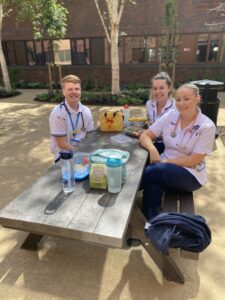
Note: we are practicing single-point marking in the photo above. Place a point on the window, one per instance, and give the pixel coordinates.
(47, 52)
(138, 55)
(80, 51)
(97, 51)
(20, 52)
(62, 52)
(134, 50)
(213, 48)
(140, 49)
(207, 47)
(8, 48)
(202, 45)
(31, 53)
(151, 49)
(222, 52)
(39, 52)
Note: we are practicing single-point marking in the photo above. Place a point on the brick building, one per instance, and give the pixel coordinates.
(85, 51)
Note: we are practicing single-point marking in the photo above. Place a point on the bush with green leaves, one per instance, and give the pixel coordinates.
(5, 94)
(47, 97)
(138, 97)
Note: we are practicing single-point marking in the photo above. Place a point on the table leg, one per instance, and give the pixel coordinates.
(165, 263)
(31, 242)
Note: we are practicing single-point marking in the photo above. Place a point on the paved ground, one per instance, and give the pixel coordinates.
(67, 269)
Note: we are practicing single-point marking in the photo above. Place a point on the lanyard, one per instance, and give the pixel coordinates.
(155, 111)
(77, 119)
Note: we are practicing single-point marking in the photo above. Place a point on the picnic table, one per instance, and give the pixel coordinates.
(90, 215)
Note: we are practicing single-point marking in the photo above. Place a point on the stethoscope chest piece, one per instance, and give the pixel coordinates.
(173, 134)
(83, 128)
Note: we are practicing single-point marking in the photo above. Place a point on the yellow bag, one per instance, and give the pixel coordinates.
(111, 121)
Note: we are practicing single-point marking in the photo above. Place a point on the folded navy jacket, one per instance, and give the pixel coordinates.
(177, 230)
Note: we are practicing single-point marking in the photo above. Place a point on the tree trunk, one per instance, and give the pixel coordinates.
(115, 59)
(5, 74)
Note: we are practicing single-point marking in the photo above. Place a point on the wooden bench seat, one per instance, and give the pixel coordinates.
(172, 202)
(181, 202)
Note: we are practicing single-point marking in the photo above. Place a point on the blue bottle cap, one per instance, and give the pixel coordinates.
(114, 162)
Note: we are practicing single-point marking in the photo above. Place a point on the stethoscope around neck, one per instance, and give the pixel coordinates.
(173, 133)
(71, 120)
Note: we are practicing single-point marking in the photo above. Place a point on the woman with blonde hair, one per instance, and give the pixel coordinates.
(160, 101)
(188, 136)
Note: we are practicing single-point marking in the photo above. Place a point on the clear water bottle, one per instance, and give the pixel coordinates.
(68, 179)
(114, 174)
(126, 114)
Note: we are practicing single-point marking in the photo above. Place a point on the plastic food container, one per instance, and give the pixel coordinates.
(81, 165)
(100, 156)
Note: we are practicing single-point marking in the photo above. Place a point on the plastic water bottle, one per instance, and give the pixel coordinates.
(68, 179)
(114, 174)
(126, 114)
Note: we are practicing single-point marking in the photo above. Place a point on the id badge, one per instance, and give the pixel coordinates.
(81, 135)
(74, 132)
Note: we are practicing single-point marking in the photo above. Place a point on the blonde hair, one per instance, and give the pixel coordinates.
(70, 78)
(164, 76)
(191, 86)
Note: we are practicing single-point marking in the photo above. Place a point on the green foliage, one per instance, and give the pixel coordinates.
(13, 75)
(95, 85)
(219, 77)
(48, 17)
(129, 100)
(46, 97)
(88, 84)
(5, 94)
(135, 86)
(168, 49)
(138, 97)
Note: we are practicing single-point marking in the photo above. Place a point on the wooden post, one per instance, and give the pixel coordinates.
(50, 78)
(60, 72)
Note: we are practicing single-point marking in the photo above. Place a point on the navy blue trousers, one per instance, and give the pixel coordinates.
(159, 177)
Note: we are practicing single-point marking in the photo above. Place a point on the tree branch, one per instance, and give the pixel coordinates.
(215, 24)
(121, 10)
(219, 8)
(103, 21)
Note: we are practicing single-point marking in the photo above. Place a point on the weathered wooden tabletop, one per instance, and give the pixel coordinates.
(87, 214)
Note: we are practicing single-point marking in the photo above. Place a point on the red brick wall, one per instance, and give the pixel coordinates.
(128, 73)
(142, 19)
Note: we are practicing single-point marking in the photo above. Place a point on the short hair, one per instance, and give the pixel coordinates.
(70, 78)
(191, 86)
(164, 76)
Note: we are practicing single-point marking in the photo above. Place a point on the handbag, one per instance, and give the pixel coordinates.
(111, 121)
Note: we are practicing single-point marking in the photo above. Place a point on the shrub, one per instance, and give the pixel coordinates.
(137, 97)
(13, 75)
(46, 97)
(5, 94)
(134, 86)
